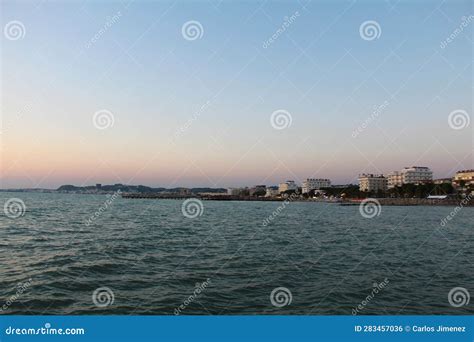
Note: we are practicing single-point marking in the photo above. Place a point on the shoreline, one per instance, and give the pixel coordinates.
(449, 202)
(347, 202)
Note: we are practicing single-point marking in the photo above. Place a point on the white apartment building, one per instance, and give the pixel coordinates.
(288, 185)
(410, 175)
(315, 184)
(370, 182)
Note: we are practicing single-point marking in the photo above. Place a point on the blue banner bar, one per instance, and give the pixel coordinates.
(238, 328)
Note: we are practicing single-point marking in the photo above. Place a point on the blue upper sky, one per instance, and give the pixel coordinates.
(220, 90)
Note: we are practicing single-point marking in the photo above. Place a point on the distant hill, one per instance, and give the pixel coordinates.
(131, 188)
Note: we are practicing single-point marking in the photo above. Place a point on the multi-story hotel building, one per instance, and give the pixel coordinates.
(288, 185)
(465, 176)
(410, 175)
(370, 182)
(315, 184)
(394, 179)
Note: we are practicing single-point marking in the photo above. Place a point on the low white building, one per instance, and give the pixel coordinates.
(371, 182)
(272, 192)
(233, 191)
(315, 184)
(288, 185)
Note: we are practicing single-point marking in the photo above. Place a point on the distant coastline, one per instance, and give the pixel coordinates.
(221, 194)
(100, 189)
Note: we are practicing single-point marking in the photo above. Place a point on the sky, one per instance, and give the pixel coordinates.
(232, 93)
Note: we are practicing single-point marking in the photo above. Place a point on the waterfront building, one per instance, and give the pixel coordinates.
(288, 185)
(394, 179)
(410, 175)
(465, 177)
(315, 184)
(416, 175)
(233, 191)
(272, 191)
(371, 182)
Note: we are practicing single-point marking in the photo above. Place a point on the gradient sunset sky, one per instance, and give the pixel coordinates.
(222, 88)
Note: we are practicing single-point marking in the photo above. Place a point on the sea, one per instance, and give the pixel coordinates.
(77, 254)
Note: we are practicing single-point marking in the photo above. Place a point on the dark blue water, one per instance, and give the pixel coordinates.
(152, 259)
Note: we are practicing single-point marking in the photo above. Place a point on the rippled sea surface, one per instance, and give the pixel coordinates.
(151, 258)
